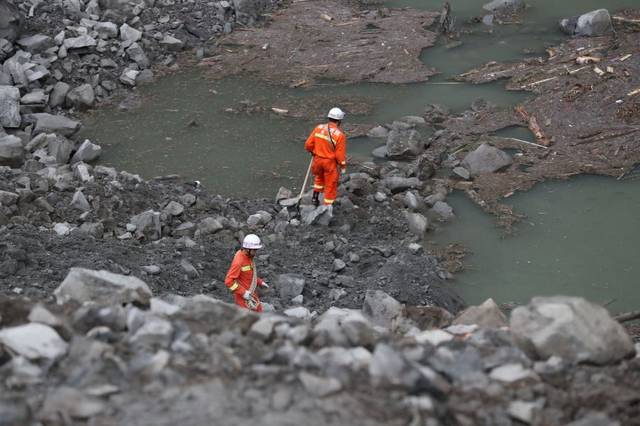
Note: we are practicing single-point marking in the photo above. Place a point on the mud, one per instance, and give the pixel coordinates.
(298, 46)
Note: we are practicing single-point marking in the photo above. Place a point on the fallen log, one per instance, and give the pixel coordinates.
(627, 316)
(533, 126)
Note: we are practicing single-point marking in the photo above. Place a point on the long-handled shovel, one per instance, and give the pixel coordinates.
(304, 185)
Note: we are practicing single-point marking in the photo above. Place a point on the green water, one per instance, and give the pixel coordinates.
(252, 155)
(580, 238)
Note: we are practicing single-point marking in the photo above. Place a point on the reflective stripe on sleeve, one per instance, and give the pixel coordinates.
(245, 268)
(318, 187)
(321, 136)
(328, 201)
(234, 286)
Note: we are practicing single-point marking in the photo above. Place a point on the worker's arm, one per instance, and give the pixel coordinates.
(309, 145)
(231, 280)
(341, 151)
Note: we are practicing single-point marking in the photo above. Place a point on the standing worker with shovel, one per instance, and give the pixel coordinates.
(242, 278)
(328, 144)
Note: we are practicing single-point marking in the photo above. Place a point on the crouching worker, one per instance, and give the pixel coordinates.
(242, 277)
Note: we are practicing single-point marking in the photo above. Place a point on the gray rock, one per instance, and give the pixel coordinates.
(79, 201)
(389, 367)
(486, 159)
(95, 229)
(594, 419)
(210, 225)
(397, 184)
(173, 209)
(145, 77)
(500, 5)
(571, 328)
(189, 269)
(154, 331)
(412, 201)
(290, 285)
(418, 224)
(403, 145)
(129, 77)
(81, 97)
(10, 20)
(147, 225)
(172, 43)
(69, 403)
(10, 107)
(129, 34)
(82, 42)
(59, 148)
(62, 229)
(442, 211)
(512, 373)
(33, 341)
(378, 132)
(87, 152)
(136, 54)
(319, 386)
(36, 43)
(283, 194)
(486, 315)
(106, 29)
(320, 215)
(299, 312)
(102, 287)
(59, 94)
(185, 229)
(35, 99)
(381, 308)
(254, 220)
(338, 265)
(592, 24)
(8, 198)
(11, 151)
(523, 410)
(462, 173)
(47, 123)
(343, 327)
(152, 270)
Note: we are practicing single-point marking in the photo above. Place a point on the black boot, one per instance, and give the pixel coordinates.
(316, 198)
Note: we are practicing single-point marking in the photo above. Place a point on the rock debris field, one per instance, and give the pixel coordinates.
(112, 306)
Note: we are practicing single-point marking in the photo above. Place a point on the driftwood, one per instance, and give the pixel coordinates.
(627, 316)
(533, 126)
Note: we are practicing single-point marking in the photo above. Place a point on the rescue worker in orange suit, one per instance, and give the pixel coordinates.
(242, 277)
(328, 144)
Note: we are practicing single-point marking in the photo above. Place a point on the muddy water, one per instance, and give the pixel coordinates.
(580, 238)
(183, 127)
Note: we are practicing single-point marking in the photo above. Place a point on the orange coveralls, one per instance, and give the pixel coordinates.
(327, 156)
(239, 278)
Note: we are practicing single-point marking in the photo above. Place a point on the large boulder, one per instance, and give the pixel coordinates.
(10, 20)
(10, 107)
(33, 341)
(47, 123)
(343, 327)
(381, 308)
(397, 184)
(404, 144)
(36, 43)
(102, 287)
(418, 224)
(594, 23)
(290, 285)
(571, 328)
(504, 5)
(59, 148)
(81, 97)
(486, 159)
(87, 152)
(11, 151)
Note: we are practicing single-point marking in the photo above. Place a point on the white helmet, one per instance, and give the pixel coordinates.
(336, 114)
(251, 242)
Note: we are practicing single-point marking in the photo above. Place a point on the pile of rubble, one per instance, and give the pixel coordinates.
(109, 352)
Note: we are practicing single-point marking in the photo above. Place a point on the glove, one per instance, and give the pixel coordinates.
(344, 171)
(264, 284)
(246, 295)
